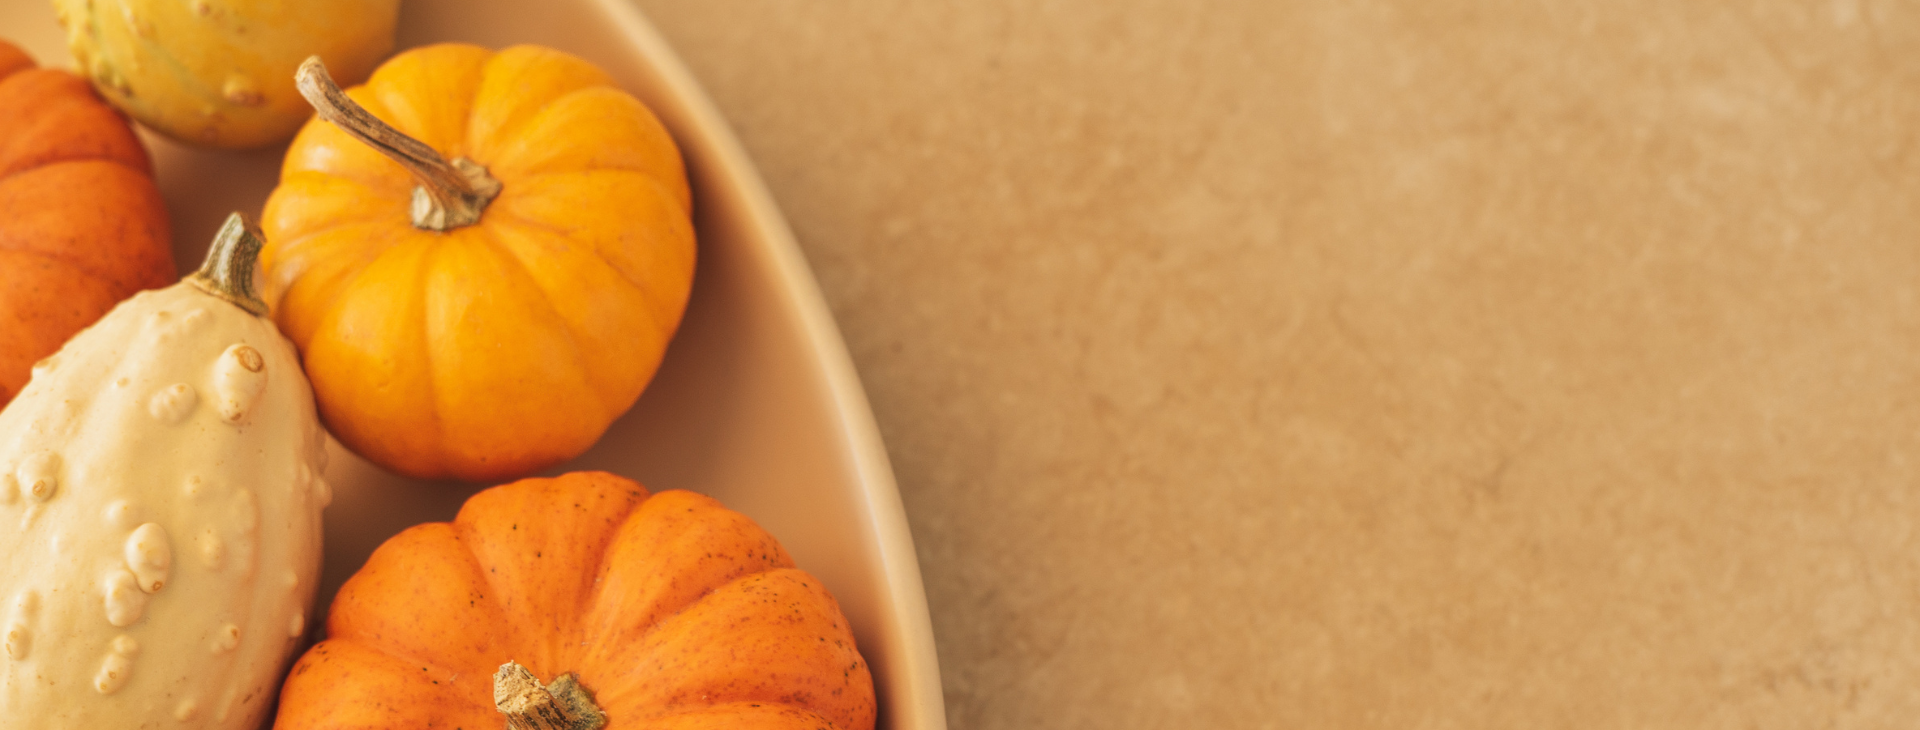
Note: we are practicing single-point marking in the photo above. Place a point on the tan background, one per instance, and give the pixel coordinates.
(1374, 364)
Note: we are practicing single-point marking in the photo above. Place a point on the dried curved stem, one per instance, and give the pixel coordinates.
(451, 194)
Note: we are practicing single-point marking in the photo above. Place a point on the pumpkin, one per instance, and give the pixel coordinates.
(160, 483)
(219, 73)
(82, 225)
(482, 257)
(554, 602)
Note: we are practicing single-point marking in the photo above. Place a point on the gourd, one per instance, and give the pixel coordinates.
(563, 603)
(482, 257)
(82, 225)
(219, 73)
(160, 487)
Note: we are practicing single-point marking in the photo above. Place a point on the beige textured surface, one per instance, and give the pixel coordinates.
(1422, 363)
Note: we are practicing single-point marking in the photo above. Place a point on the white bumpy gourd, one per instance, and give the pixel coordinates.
(160, 498)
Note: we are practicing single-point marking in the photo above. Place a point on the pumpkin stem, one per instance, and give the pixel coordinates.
(563, 705)
(231, 261)
(450, 194)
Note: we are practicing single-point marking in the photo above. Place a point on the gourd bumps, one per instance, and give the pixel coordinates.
(219, 73)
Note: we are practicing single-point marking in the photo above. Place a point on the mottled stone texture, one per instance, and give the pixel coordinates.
(1374, 363)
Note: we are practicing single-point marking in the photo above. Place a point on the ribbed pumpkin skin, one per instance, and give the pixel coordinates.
(82, 225)
(493, 350)
(674, 611)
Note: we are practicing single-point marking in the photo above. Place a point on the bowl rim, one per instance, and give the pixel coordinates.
(913, 697)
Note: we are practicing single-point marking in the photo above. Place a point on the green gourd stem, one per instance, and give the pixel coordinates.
(450, 194)
(562, 705)
(231, 262)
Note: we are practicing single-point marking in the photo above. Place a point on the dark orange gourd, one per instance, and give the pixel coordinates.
(669, 610)
(82, 225)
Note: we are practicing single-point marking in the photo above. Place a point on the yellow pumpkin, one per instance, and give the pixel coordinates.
(219, 73)
(479, 289)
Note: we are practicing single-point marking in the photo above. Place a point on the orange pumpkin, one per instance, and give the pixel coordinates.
(481, 287)
(669, 610)
(82, 225)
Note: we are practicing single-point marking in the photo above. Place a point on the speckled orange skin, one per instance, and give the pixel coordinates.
(82, 225)
(491, 351)
(674, 611)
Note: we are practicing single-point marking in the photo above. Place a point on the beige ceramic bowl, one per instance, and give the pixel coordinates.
(756, 404)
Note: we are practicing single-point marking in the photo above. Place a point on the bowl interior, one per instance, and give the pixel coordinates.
(756, 403)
